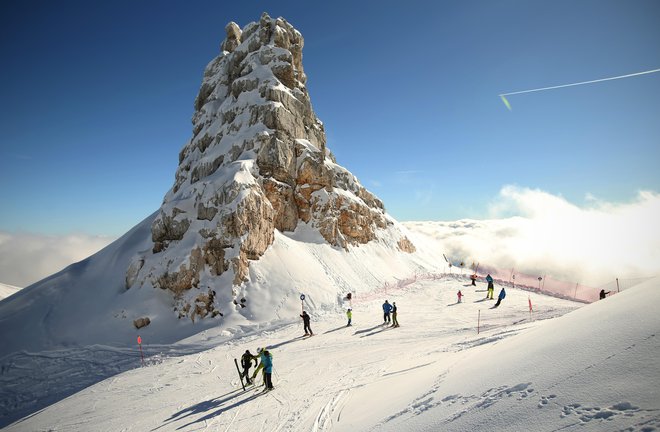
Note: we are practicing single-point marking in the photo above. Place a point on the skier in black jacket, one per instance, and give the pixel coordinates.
(246, 362)
(308, 329)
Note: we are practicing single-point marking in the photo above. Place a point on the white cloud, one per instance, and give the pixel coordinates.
(28, 258)
(590, 245)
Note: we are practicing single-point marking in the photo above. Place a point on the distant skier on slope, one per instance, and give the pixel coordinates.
(604, 294)
(349, 315)
(473, 278)
(395, 322)
(500, 297)
(308, 329)
(460, 296)
(491, 287)
(387, 308)
(246, 362)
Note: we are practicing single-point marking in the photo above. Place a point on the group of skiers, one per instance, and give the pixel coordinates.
(387, 310)
(265, 364)
(489, 292)
(264, 359)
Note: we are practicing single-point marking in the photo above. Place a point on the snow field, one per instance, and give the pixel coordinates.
(343, 378)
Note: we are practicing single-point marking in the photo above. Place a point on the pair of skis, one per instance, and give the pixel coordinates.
(240, 374)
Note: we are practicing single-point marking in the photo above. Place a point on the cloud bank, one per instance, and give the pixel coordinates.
(590, 245)
(28, 258)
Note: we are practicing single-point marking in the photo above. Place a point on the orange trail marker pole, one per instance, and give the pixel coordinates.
(139, 341)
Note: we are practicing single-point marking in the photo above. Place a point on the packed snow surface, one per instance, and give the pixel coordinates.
(566, 366)
(7, 290)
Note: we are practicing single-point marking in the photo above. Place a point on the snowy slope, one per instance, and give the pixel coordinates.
(80, 320)
(7, 290)
(595, 368)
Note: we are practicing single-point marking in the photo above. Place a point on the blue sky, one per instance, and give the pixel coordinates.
(96, 100)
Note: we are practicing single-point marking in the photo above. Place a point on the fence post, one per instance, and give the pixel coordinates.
(478, 321)
(617, 285)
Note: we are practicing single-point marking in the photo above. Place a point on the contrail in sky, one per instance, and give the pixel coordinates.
(506, 102)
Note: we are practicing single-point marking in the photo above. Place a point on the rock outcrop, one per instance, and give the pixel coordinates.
(257, 162)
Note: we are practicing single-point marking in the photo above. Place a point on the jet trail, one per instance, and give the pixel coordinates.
(506, 102)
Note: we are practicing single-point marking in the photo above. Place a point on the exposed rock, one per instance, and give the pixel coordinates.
(406, 245)
(233, 37)
(204, 305)
(141, 322)
(133, 270)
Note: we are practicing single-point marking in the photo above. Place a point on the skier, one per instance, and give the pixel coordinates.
(349, 315)
(387, 308)
(395, 322)
(265, 364)
(604, 294)
(267, 360)
(246, 362)
(500, 297)
(473, 278)
(308, 329)
(460, 295)
(491, 288)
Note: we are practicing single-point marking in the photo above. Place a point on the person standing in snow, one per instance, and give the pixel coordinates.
(491, 287)
(460, 295)
(395, 322)
(473, 278)
(387, 308)
(265, 364)
(308, 329)
(500, 297)
(604, 294)
(246, 362)
(349, 315)
(267, 360)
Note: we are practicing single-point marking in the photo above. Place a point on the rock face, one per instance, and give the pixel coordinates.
(257, 162)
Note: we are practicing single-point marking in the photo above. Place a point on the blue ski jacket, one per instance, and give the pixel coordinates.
(267, 361)
(502, 294)
(489, 279)
(387, 308)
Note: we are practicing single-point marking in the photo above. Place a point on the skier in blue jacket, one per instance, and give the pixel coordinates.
(387, 308)
(500, 297)
(266, 363)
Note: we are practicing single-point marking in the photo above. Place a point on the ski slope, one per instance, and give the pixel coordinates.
(568, 367)
(7, 290)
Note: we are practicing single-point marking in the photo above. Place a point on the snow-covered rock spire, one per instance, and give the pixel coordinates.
(257, 162)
